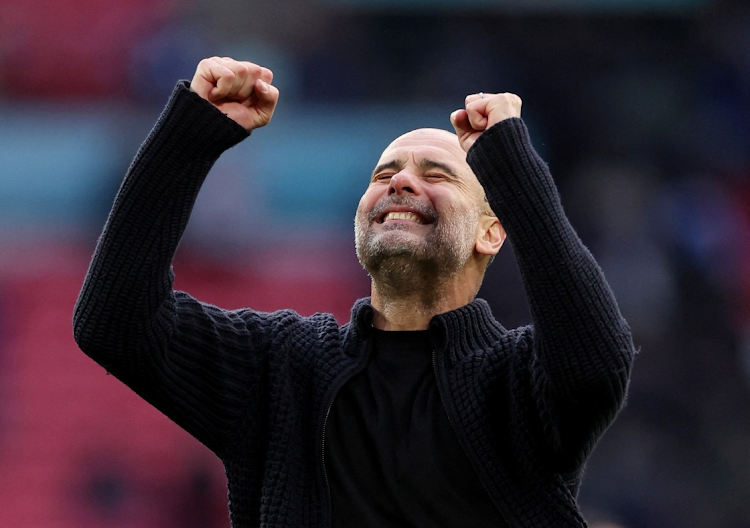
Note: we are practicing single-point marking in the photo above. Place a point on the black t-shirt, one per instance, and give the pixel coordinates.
(392, 457)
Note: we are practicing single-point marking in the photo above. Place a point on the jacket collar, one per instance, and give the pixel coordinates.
(460, 331)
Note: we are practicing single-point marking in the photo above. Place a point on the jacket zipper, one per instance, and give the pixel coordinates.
(458, 436)
(323, 457)
(356, 370)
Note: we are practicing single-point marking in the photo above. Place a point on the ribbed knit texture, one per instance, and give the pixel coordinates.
(527, 404)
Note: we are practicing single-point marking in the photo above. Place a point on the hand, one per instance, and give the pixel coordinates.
(241, 90)
(482, 111)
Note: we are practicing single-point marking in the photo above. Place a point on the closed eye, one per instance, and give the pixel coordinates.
(435, 176)
(382, 177)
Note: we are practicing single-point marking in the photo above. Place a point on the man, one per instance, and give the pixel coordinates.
(422, 410)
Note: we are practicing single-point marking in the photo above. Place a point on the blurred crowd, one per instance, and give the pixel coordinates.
(642, 114)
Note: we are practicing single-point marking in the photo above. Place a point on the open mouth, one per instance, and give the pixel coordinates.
(404, 213)
(408, 216)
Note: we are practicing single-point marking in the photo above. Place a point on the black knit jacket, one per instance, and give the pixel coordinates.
(527, 405)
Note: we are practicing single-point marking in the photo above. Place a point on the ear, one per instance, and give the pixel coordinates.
(490, 235)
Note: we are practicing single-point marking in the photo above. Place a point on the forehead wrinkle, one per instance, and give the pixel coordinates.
(430, 134)
(417, 151)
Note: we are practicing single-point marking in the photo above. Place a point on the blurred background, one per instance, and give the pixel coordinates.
(641, 108)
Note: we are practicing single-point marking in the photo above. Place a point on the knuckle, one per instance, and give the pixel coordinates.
(243, 68)
(229, 75)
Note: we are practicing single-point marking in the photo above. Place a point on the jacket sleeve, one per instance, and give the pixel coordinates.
(582, 349)
(191, 360)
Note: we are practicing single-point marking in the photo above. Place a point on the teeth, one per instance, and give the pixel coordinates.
(403, 216)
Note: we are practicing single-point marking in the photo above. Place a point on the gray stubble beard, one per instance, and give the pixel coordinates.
(402, 266)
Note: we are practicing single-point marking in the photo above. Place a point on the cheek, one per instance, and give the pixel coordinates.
(363, 206)
(367, 202)
(445, 201)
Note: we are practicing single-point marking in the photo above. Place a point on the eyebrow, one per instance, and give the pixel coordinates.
(432, 164)
(393, 164)
(424, 163)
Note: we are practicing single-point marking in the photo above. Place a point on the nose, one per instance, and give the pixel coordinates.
(403, 183)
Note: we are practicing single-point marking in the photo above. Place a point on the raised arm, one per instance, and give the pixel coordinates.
(187, 358)
(582, 346)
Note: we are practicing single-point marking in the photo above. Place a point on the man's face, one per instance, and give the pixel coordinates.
(421, 210)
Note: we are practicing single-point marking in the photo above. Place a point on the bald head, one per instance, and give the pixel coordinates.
(436, 136)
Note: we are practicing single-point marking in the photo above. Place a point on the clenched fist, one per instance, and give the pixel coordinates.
(241, 90)
(482, 111)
